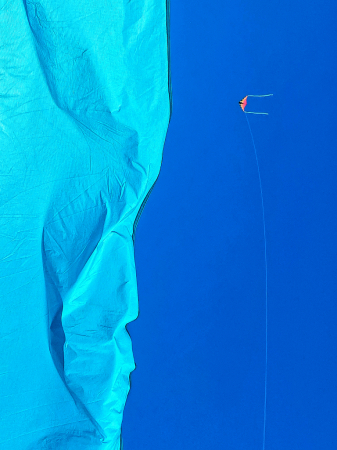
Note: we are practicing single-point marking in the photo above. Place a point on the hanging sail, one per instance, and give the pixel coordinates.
(84, 110)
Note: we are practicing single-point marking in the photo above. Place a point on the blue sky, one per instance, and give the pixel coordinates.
(199, 339)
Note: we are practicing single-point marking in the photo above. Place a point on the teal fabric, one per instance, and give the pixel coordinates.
(84, 110)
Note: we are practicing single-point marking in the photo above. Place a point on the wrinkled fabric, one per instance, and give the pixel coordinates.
(84, 110)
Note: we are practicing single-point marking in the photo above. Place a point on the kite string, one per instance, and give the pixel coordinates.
(266, 296)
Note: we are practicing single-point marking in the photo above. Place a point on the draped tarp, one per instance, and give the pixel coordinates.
(84, 110)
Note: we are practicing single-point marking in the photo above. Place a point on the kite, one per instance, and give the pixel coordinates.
(243, 104)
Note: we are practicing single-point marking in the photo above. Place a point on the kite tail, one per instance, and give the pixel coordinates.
(266, 95)
(251, 112)
(266, 292)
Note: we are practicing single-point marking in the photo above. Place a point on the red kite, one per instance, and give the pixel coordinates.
(243, 104)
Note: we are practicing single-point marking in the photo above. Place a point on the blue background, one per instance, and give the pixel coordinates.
(199, 339)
